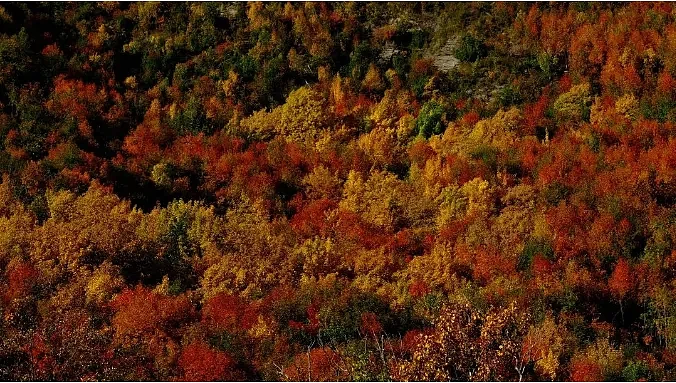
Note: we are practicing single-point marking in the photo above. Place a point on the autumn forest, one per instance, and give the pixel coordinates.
(337, 191)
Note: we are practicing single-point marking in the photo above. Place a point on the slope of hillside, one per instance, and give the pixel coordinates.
(337, 191)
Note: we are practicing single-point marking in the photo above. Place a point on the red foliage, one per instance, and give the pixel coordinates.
(569, 225)
(420, 152)
(452, 231)
(51, 50)
(313, 319)
(75, 98)
(422, 66)
(350, 227)
(325, 365)
(140, 310)
(418, 289)
(311, 219)
(411, 339)
(534, 114)
(200, 363)
(370, 325)
(384, 33)
(40, 356)
(666, 83)
(541, 266)
(470, 119)
(223, 312)
(585, 371)
(621, 281)
(565, 83)
(489, 263)
(21, 277)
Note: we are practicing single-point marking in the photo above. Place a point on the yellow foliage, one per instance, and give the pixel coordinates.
(261, 124)
(436, 269)
(378, 200)
(515, 221)
(103, 284)
(393, 78)
(322, 184)
(258, 18)
(373, 81)
(305, 112)
(145, 12)
(66, 297)
(223, 277)
(337, 93)
(479, 197)
(60, 205)
(609, 358)
(541, 229)
(374, 269)
(262, 329)
(7, 201)
(4, 15)
(499, 130)
(431, 176)
(384, 114)
(319, 257)
(381, 147)
(230, 85)
(163, 287)
(252, 254)
(467, 345)
(543, 345)
(571, 105)
(160, 175)
(323, 73)
(627, 106)
(15, 234)
(394, 106)
(303, 116)
(353, 192)
(77, 228)
(199, 223)
(405, 128)
(576, 276)
(452, 205)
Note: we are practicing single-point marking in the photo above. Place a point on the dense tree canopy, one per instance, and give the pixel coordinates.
(337, 191)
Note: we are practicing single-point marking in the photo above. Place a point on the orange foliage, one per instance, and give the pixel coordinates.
(200, 363)
(21, 277)
(622, 280)
(140, 312)
(319, 364)
(585, 371)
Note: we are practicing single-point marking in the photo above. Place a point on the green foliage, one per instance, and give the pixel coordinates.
(359, 61)
(360, 355)
(575, 104)
(487, 154)
(418, 85)
(469, 48)
(555, 192)
(531, 249)
(247, 67)
(635, 371)
(418, 39)
(328, 191)
(192, 119)
(430, 119)
(508, 96)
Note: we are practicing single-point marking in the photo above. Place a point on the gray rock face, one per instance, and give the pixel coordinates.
(388, 52)
(444, 60)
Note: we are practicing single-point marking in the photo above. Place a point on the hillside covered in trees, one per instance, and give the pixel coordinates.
(337, 191)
